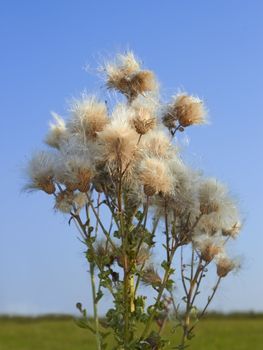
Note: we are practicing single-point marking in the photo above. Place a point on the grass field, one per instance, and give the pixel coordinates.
(223, 333)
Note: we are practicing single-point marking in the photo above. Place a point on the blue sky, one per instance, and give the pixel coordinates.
(210, 48)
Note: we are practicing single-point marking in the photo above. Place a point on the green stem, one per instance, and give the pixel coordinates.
(92, 278)
(190, 298)
(126, 277)
(95, 311)
(159, 296)
(100, 223)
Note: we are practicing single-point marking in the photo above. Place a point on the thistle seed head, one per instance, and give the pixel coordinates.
(40, 172)
(224, 266)
(143, 121)
(89, 116)
(155, 176)
(186, 110)
(127, 77)
(57, 133)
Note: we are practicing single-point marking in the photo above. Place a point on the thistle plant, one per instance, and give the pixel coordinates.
(117, 172)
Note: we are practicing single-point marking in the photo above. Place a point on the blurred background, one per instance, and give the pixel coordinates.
(50, 51)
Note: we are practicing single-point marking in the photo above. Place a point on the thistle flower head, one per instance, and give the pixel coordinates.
(218, 208)
(224, 265)
(184, 202)
(118, 141)
(80, 199)
(155, 176)
(67, 200)
(134, 195)
(150, 277)
(126, 77)
(143, 255)
(57, 132)
(40, 171)
(89, 116)
(102, 253)
(211, 195)
(209, 247)
(144, 120)
(233, 230)
(80, 171)
(125, 63)
(185, 110)
(75, 170)
(157, 144)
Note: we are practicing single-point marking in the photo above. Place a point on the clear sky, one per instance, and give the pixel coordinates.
(210, 48)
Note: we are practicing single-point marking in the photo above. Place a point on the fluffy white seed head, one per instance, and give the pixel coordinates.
(40, 172)
(185, 198)
(89, 116)
(157, 144)
(155, 176)
(218, 208)
(126, 76)
(185, 110)
(211, 195)
(150, 276)
(74, 166)
(125, 63)
(209, 247)
(224, 265)
(57, 133)
(66, 201)
(144, 120)
(75, 171)
(118, 141)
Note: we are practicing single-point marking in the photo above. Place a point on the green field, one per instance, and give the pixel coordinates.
(219, 333)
